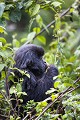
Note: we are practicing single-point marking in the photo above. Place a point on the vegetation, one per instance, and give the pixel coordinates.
(55, 25)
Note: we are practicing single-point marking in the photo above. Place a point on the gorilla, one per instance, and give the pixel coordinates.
(29, 58)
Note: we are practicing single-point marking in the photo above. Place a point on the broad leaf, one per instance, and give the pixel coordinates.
(13, 90)
(2, 29)
(2, 66)
(54, 96)
(36, 9)
(3, 40)
(42, 39)
(56, 4)
(31, 36)
(18, 87)
(56, 84)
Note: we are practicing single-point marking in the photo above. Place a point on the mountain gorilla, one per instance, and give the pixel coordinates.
(29, 59)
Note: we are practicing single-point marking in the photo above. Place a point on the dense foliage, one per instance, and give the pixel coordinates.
(61, 40)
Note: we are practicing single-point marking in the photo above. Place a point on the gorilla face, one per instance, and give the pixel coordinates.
(37, 65)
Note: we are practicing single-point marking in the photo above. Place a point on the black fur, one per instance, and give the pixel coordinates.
(29, 59)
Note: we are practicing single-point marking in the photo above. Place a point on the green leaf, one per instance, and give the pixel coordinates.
(55, 116)
(21, 93)
(42, 39)
(6, 15)
(67, 84)
(24, 93)
(2, 66)
(28, 4)
(36, 29)
(2, 54)
(16, 43)
(36, 9)
(2, 29)
(11, 117)
(31, 36)
(23, 40)
(71, 10)
(56, 84)
(2, 7)
(15, 15)
(43, 103)
(69, 67)
(56, 4)
(18, 87)
(2, 40)
(1, 96)
(51, 91)
(78, 69)
(3, 74)
(13, 90)
(54, 96)
(18, 118)
(58, 24)
(6, 54)
(39, 20)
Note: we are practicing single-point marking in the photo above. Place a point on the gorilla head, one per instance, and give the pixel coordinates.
(29, 57)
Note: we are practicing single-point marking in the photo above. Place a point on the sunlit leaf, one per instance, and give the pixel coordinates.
(51, 91)
(13, 90)
(58, 24)
(6, 15)
(23, 40)
(36, 29)
(44, 103)
(16, 43)
(3, 40)
(42, 39)
(71, 10)
(36, 9)
(2, 29)
(69, 67)
(67, 84)
(21, 100)
(56, 84)
(39, 20)
(31, 36)
(11, 117)
(1, 96)
(28, 4)
(24, 93)
(56, 3)
(18, 118)
(19, 87)
(54, 96)
(78, 69)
